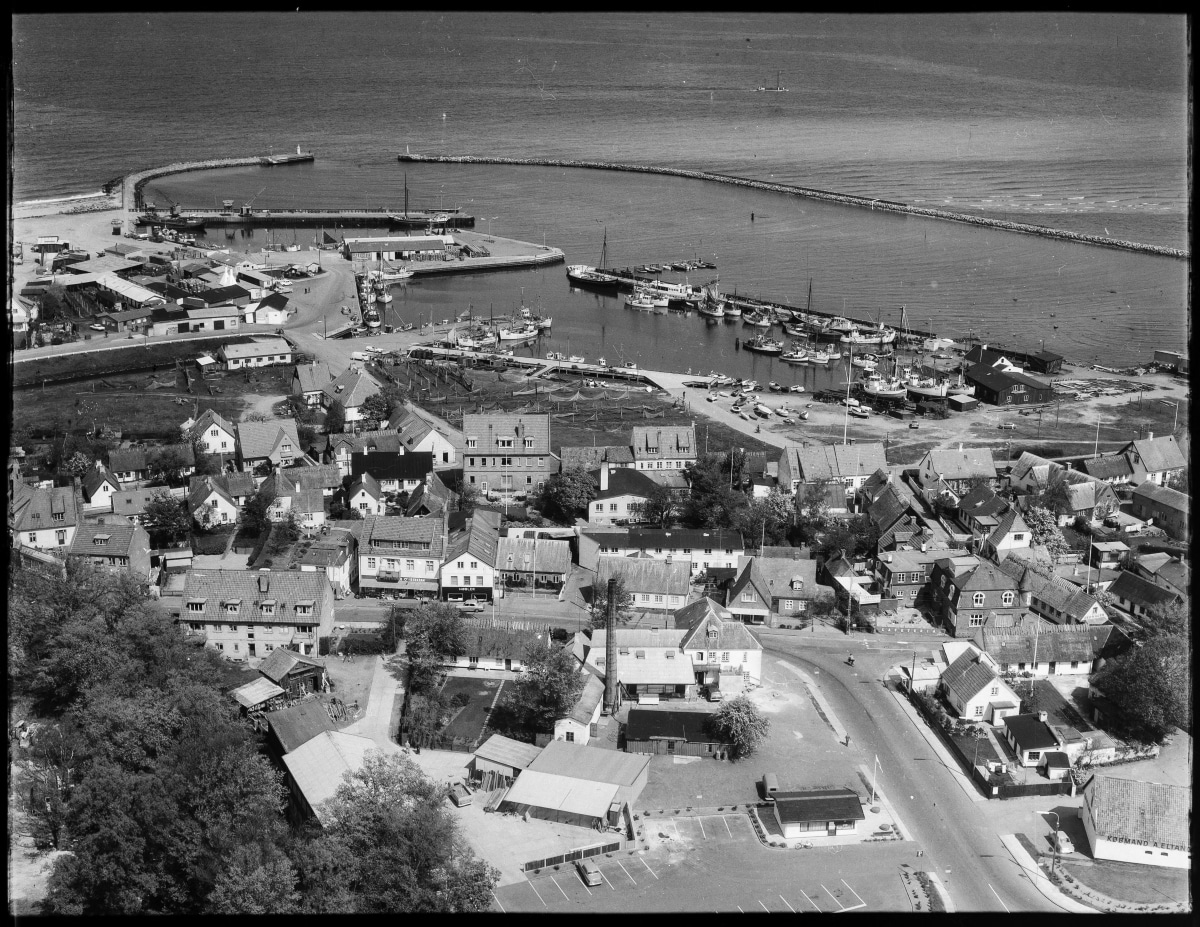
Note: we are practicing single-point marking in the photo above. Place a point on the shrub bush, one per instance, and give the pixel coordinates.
(460, 700)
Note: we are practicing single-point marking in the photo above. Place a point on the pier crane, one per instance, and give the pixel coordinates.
(246, 208)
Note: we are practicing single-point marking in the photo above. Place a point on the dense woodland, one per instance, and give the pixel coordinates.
(139, 764)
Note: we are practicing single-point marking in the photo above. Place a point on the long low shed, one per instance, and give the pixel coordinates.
(672, 733)
(564, 799)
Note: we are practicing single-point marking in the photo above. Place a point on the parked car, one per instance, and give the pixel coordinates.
(913, 425)
(589, 872)
(473, 606)
(1008, 426)
(1064, 843)
(460, 795)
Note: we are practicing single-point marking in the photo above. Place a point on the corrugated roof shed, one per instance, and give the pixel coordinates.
(319, 766)
(592, 763)
(818, 805)
(509, 752)
(664, 723)
(563, 793)
(255, 693)
(293, 727)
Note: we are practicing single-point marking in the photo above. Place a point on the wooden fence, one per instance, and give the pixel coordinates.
(572, 855)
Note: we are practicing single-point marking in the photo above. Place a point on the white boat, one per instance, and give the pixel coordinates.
(869, 337)
(962, 389)
(712, 303)
(476, 341)
(576, 359)
(732, 312)
(520, 333)
(639, 299)
(818, 357)
(756, 320)
(794, 357)
(927, 387)
(371, 317)
(395, 275)
(601, 362)
(678, 293)
(859, 412)
(884, 388)
(538, 321)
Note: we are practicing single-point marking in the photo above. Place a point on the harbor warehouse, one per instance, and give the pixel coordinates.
(395, 249)
(1007, 388)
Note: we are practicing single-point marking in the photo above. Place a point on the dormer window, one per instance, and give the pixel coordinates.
(472, 442)
(528, 443)
(977, 599)
(57, 516)
(304, 609)
(639, 654)
(504, 442)
(100, 540)
(1007, 598)
(196, 605)
(233, 606)
(267, 607)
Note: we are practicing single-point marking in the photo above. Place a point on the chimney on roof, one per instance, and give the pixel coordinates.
(610, 651)
(604, 477)
(264, 583)
(1042, 716)
(960, 446)
(1149, 435)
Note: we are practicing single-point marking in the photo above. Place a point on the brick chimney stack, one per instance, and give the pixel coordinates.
(604, 476)
(610, 651)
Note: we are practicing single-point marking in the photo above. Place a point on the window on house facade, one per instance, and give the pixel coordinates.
(747, 596)
(472, 443)
(370, 563)
(977, 599)
(1007, 598)
(504, 442)
(725, 657)
(612, 506)
(233, 629)
(789, 605)
(978, 711)
(975, 621)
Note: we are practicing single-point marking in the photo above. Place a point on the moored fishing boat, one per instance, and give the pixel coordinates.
(818, 357)
(712, 304)
(372, 318)
(732, 311)
(927, 387)
(756, 320)
(761, 344)
(879, 387)
(521, 332)
(869, 337)
(639, 299)
(794, 357)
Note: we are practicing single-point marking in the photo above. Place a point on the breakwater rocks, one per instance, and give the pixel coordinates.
(845, 199)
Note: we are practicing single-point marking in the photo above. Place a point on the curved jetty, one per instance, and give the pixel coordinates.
(845, 199)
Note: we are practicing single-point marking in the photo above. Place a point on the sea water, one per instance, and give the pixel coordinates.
(1071, 121)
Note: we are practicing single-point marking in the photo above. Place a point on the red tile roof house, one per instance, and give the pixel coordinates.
(1155, 460)
(309, 381)
(849, 465)
(1137, 596)
(260, 443)
(949, 472)
(1167, 508)
(129, 465)
(967, 590)
(44, 519)
(972, 686)
(99, 484)
(400, 556)
(114, 547)
(247, 615)
(770, 590)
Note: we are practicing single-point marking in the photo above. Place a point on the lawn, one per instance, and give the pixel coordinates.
(1131, 882)
(116, 360)
(466, 724)
(212, 542)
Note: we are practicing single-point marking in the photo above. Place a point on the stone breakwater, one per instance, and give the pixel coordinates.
(132, 184)
(845, 199)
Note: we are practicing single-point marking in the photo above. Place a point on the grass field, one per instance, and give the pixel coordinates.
(467, 724)
(116, 360)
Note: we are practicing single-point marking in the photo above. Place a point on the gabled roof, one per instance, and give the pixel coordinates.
(258, 440)
(591, 696)
(818, 805)
(284, 589)
(774, 577)
(385, 466)
(1136, 811)
(108, 540)
(836, 461)
(122, 461)
(698, 611)
(312, 377)
(967, 676)
(591, 763)
(889, 507)
(368, 484)
(351, 388)
(282, 661)
(480, 538)
(318, 476)
(961, 464)
(431, 498)
(664, 723)
(589, 457)
(254, 693)
(489, 639)
(529, 555)
(34, 509)
(656, 442)
(319, 766)
(508, 752)
(296, 726)
(1154, 455)
(1050, 643)
(209, 419)
(490, 428)
(730, 634)
(1163, 496)
(202, 488)
(1109, 467)
(985, 577)
(1011, 523)
(980, 501)
(624, 481)
(1140, 591)
(132, 501)
(259, 347)
(685, 538)
(96, 477)
(1030, 732)
(646, 576)
(395, 528)
(995, 379)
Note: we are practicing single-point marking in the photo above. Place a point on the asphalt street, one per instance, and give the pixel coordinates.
(957, 835)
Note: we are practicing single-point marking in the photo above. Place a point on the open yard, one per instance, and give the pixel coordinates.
(801, 750)
(466, 723)
(1130, 882)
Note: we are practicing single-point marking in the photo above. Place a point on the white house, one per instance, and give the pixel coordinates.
(652, 584)
(210, 503)
(99, 485)
(270, 309)
(365, 496)
(622, 497)
(722, 651)
(974, 689)
(469, 572)
(1133, 821)
(215, 433)
(664, 447)
(351, 388)
(45, 519)
(261, 352)
(400, 556)
(578, 725)
(418, 433)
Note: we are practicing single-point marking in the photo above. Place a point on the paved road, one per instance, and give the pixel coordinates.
(958, 836)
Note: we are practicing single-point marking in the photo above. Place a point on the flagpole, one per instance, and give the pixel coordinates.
(874, 770)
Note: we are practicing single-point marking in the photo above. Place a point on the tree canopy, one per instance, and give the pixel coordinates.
(739, 722)
(566, 494)
(165, 514)
(545, 691)
(430, 631)
(1151, 685)
(335, 418)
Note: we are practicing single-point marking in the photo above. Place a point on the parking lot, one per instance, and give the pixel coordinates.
(715, 863)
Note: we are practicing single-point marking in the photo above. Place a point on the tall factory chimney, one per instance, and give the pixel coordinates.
(610, 650)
